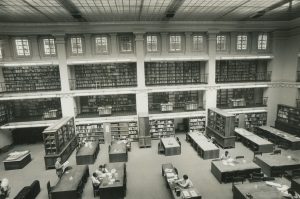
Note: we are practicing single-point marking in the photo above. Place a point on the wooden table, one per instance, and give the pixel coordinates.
(289, 140)
(254, 142)
(224, 170)
(171, 146)
(17, 163)
(116, 188)
(203, 146)
(259, 190)
(295, 184)
(275, 165)
(169, 168)
(118, 152)
(87, 154)
(71, 184)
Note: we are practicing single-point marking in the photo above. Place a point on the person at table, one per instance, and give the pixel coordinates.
(4, 188)
(101, 171)
(59, 167)
(292, 194)
(185, 182)
(95, 181)
(225, 156)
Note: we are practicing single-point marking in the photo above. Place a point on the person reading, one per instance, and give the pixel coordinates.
(225, 156)
(60, 168)
(101, 171)
(96, 182)
(185, 182)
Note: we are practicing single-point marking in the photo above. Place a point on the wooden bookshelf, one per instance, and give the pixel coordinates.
(59, 141)
(244, 96)
(288, 119)
(90, 132)
(197, 124)
(220, 125)
(121, 130)
(251, 120)
(5, 114)
(110, 75)
(31, 78)
(173, 73)
(162, 128)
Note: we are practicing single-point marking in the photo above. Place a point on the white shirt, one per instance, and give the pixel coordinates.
(101, 173)
(223, 157)
(95, 181)
(186, 183)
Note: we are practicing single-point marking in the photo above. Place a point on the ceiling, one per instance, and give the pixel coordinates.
(49, 11)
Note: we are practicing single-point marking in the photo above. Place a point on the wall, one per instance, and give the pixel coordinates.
(5, 138)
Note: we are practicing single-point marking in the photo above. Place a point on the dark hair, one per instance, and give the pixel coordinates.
(185, 177)
(291, 191)
(101, 166)
(226, 152)
(95, 174)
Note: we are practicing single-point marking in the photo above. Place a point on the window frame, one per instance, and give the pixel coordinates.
(82, 45)
(242, 42)
(130, 40)
(181, 43)
(202, 45)
(157, 43)
(259, 41)
(43, 46)
(100, 52)
(16, 47)
(225, 38)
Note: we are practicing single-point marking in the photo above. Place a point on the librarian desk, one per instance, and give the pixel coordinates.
(258, 190)
(118, 152)
(87, 153)
(295, 184)
(168, 172)
(205, 148)
(225, 170)
(71, 184)
(281, 137)
(17, 163)
(171, 146)
(276, 165)
(254, 142)
(114, 187)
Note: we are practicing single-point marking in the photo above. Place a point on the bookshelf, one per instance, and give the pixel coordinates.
(162, 128)
(288, 119)
(197, 124)
(110, 75)
(31, 78)
(220, 125)
(232, 98)
(116, 103)
(5, 114)
(242, 71)
(144, 132)
(120, 130)
(173, 73)
(90, 132)
(59, 141)
(250, 120)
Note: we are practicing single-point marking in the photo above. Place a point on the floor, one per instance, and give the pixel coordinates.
(143, 170)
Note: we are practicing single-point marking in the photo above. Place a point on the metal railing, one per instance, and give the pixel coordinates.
(177, 107)
(182, 80)
(21, 86)
(244, 77)
(262, 102)
(97, 84)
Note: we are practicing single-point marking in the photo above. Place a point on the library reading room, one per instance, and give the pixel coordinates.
(150, 99)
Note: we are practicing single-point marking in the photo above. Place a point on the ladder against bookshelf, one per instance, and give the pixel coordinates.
(90, 132)
(31, 78)
(220, 125)
(124, 130)
(197, 124)
(59, 141)
(162, 128)
(288, 119)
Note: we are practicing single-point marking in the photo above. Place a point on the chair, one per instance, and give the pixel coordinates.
(239, 157)
(49, 189)
(175, 170)
(95, 190)
(35, 188)
(257, 153)
(275, 152)
(160, 148)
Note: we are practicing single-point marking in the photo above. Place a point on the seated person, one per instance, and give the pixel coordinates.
(292, 194)
(101, 171)
(60, 169)
(185, 182)
(4, 188)
(225, 156)
(96, 182)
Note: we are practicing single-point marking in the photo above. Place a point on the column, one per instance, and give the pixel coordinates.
(34, 48)
(188, 39)
(88, 46)
(67, 105)
(114, 44)
(164, 43)
(6, 48)
(142, 95)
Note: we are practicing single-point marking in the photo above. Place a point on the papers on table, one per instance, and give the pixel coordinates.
(170, 175)
(186, 194)
(193, 193)
(168, 170)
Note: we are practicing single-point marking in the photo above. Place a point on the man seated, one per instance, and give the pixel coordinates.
(101, 171)
(225, 156)
(96, 182)
(4, 188)
(59, 167)
(185, 182)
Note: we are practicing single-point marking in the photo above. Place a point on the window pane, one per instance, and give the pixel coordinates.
(49, 47)
(262, 41)
(125, 43)
(101, 44)
(175, 43)
(241, 43)
(151, 43)
(197, 42)
(221, 42)
(76, 45)
(22, 47)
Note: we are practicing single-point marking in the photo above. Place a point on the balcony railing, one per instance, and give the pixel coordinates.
(21, 86)
(95, 84)
(244, 77)
(155, 108)
(105, 111)
(173, 80)
(240, 103)
(36, 115)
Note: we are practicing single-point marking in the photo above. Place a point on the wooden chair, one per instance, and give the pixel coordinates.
(49, 189)
(160, 148)
(95, 190)
(175, 170)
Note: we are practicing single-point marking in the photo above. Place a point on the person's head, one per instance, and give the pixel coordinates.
(101, 167)
(226, 153)
(94, 174)
(185, 177)
(291, 191)
(58, 159)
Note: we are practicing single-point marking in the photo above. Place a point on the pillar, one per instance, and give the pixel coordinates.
(34, 48)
